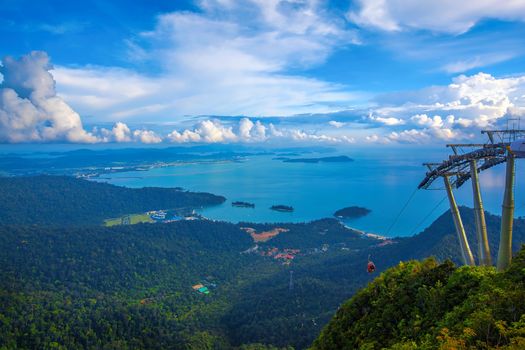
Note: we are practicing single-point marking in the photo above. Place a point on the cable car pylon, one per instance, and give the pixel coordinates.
(466, 253)
(503, 147)
(507, 217)
(481, 225)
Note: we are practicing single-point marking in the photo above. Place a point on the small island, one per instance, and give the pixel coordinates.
(336, 159)
(283, 208)
(352, 212)
(243, 204)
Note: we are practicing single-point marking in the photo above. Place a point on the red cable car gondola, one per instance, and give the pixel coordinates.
(370, 267)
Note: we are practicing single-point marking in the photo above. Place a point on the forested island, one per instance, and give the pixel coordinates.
(283, 208)
(335, 159)
(243, 204)
(352, 212)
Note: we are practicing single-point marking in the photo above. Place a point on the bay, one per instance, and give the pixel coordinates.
(380, 179)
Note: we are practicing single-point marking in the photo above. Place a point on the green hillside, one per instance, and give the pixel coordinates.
(71, 283)
(63, 200)
(427, 305)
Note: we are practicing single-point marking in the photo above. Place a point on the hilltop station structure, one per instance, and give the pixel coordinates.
(502, 146)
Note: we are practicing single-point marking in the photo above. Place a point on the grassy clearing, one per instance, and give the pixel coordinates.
(133, 219)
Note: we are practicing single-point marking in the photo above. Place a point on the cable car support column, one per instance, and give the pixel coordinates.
(466, 253)
(481, 226)
(507, 217)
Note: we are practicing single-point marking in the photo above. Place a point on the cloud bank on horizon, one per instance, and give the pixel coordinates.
(253, 59)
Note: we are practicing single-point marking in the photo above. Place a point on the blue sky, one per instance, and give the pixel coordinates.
(382, 72)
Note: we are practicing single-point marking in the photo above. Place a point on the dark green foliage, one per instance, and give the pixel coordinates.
(314, 234)
(59, 200)
(53, 320)
(427, 305)
(82, 287)
(71, 286)
(110, 259)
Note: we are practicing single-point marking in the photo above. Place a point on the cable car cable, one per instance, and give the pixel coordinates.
(401, 211)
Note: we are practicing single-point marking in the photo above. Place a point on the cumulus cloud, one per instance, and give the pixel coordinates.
(30, 110)
(206, 131)
(216, 131)
(119, 133)
(447, 16)
(460, 109)
(146, 136)
(425, 120)
(391, 121)
(457, 111)
(411, 136)
(252, 131)
(300, 135)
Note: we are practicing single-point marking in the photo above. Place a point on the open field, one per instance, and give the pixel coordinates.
(133, 219)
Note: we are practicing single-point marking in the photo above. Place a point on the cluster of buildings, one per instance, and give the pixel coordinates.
(200, 288)
(203, 287)
(165, 216)
(157, 214)
(286, 255)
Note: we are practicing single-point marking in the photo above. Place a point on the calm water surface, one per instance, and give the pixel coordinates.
(380, 180)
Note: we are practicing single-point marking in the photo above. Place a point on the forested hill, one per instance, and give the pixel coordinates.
(336, 277)
(59, 200)
(426, 305)
(78, 286)
(440, 239)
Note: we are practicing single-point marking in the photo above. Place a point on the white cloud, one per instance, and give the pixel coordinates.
(116, 93)
(447, 16)
(185, 136)
(425, 120)
(409, 136)
(476, 101)
(30, 110)
(476, 62)
(390, 121)
(336, 124)
(146, 136)
(457, 111)
(215, 131)
(251, 131)
(120, 132)
(374, 13)
(372, 138)
(206, 131)
(230, 58)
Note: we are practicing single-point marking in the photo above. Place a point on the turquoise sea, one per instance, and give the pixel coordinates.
(380, 179)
